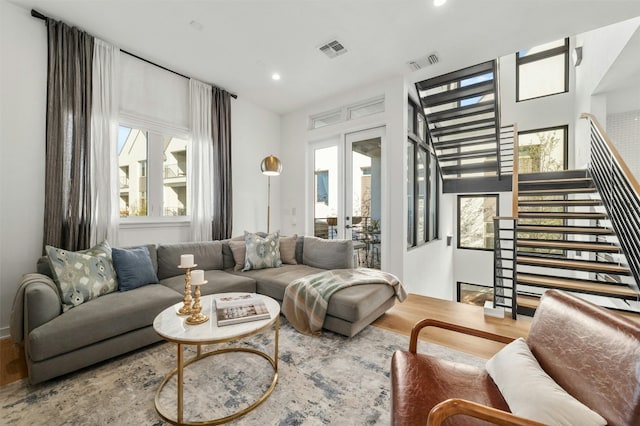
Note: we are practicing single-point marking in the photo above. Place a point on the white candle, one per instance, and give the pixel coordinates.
(186, 260)
(197, 276)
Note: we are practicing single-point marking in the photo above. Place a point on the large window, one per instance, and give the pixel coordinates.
(542, 150)
(474, 294)
(153, 173)
(475, 221)
(422, 181)
(542, 70)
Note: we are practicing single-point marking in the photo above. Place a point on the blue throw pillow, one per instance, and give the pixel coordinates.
(133, 267)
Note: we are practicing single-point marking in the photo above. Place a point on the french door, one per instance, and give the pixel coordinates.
(347, 192)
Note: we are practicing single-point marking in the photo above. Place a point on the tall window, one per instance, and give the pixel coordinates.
(542, 70)
(475, 221)
(422, 181)
(153, 173)
(543, 150)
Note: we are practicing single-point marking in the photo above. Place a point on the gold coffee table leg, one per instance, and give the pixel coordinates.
(180, 384)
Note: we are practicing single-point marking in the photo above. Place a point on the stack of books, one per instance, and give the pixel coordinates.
(243, 308)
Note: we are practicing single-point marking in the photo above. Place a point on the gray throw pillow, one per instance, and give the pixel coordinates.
(134, 268)
(288, 249)
(262, 252)
(238, 249)
(328, 254)
(83, 275)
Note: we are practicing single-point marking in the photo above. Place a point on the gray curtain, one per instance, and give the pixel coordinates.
(222, 195)
(67, 207)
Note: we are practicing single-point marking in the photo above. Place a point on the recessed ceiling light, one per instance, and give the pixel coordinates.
(439, 2)
(275, 76)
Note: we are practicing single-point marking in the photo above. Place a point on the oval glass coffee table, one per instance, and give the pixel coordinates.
(173, 328)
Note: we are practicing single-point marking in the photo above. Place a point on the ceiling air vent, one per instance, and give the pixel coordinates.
(418, 64)
(333, 48)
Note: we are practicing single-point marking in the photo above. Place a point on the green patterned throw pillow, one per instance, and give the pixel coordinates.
(83, 275)
(262, 252)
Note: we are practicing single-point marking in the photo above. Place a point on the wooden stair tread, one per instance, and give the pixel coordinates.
(573, 264)
(569, 245)
(559, 202)
(558, 180)
(565, 229)
(576, 285)
(563, 215)
(558, 190)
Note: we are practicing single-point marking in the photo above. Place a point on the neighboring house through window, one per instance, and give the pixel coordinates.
(543, 150)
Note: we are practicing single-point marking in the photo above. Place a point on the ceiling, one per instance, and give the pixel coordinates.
(239, 44)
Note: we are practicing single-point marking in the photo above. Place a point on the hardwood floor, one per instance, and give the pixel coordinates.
(398, 319)
(402, 316)
(12, 364)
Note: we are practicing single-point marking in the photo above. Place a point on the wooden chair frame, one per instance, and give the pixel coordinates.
(455, 406)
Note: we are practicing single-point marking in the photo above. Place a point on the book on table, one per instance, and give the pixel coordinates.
(243, 308)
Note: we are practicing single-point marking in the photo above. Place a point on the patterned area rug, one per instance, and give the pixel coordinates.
(322, 380)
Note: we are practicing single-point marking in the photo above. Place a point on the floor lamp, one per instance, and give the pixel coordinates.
(270, 166)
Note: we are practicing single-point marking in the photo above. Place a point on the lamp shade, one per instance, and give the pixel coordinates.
(271, 166)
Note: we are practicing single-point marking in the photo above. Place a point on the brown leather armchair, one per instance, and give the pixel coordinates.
(589, 351)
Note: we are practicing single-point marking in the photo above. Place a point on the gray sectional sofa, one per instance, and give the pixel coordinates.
(57, 343)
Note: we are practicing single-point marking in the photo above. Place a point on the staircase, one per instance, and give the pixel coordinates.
(563, 240)
(462, 113)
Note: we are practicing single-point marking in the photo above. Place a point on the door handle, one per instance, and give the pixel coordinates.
(348, 226)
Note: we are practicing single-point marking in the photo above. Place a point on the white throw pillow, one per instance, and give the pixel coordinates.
(532, 393)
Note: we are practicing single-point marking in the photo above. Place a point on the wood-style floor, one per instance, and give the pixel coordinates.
(402, 316)
(399, 319)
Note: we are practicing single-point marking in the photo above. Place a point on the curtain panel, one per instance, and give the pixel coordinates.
(201, 185)
(222, 188)
(105, 189)
(68, 132)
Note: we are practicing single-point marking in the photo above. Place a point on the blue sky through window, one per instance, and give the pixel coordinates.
(123, 134)
(474, 80)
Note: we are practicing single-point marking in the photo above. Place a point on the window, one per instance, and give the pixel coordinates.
(153, 173)
(348, 112)
(422, 181)
(543, 150)
(322, 187)
(542, 70)
(474, 294)
(475, 221)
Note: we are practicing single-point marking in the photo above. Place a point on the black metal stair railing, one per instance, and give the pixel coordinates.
(505, 267)
(620, 193)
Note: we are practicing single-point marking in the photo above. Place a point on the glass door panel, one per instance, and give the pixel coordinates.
(325, 188)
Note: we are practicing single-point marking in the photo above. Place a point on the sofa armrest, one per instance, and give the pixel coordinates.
(415, 332)
(455, 406)
(41, 304)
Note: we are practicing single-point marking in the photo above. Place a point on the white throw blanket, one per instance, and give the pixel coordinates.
(306, 299)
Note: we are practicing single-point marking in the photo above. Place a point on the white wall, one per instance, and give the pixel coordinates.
(624, 130)
(23, 70)
(256, 134)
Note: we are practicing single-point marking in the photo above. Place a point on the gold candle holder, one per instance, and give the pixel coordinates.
(197, 317)
(186, 301)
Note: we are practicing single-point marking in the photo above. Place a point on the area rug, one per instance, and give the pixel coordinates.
(323, 380)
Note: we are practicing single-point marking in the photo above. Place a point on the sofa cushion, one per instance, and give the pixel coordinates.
(134, 268)
(413, 394)
(206, 254)
(218, 282)
(239, 251)
(532, 393)
(261, 252)
(100, 319)
(273, 281)
(327, 254)
(83, 275)
(288, 249)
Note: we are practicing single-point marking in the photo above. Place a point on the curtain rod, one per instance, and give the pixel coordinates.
(39, 15)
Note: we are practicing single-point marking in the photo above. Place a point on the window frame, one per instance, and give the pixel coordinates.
(545, 54)
(419, 143)
(459, 285)
(458, 234)
(154, 192)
